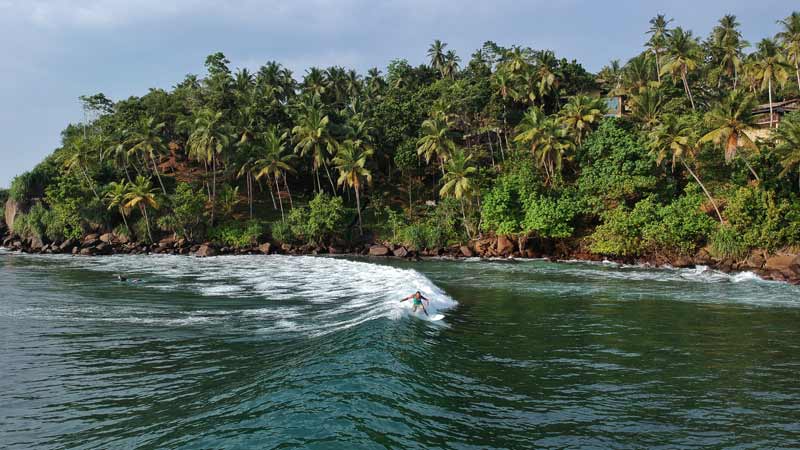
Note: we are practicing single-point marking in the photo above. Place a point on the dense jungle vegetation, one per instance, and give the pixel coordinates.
(513, 141)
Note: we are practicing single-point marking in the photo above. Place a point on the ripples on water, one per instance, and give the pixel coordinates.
(287, 352)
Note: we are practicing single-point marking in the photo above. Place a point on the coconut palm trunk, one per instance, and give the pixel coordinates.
(358, 207)
(491, 148)
(286, 185)
(327, 172)
(797, 71)
(280, 200)
(771, 113)
(213, 187)
(158, 175)
(124, 219)
(89, 180)
(271, 195)
(464, 216)
(146, 220)
(702, 186)
(686, 87)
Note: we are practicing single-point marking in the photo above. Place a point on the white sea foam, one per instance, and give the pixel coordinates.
(311, 295)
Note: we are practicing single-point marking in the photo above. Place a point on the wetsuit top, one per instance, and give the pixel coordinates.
(417, 301)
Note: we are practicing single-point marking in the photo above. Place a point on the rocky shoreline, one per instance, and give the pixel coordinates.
(782, 266)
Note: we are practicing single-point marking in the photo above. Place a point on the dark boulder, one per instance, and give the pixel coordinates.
(106, 238)
(465, 251)
(400, 252)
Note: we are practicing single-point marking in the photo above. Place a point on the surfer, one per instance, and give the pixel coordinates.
(417, 301)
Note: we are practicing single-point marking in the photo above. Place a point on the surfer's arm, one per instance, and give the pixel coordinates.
(406, 298)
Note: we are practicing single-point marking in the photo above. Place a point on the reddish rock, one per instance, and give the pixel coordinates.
(88, 251)
(265, 248)
(205, 251)
(107, 238)
(400, 252)
(756, 260)
(783, 263)
(465, 251)
(504, 246)
(378, 250)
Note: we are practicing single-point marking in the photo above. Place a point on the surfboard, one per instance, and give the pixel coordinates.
(436, 317)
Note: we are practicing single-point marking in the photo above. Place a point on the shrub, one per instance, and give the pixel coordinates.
(649, 228)
(550, 217)
(323, 218)
(281, 232)
(501, 209)
(760, 221)
(728, 243)
(681, 226)
(122, 230)
(237, 234)
(617, 168)
(188, 213)
(140, 230)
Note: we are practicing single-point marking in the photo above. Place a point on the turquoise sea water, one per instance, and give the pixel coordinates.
(305, 352)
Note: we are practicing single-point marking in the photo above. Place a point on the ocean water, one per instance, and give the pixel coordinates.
(315, 352)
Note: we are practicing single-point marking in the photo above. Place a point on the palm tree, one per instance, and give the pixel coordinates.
(116, 193)
(547, 140)
(545, 71)
(682, 58)
(208, 140)
(787, 138)
(790, 40)
(435, 140)
(140, 193)
(658, 39)
(312, 137)
(612, 76)
(730, 120)
(579, 114)
(275, 163)
(727, 40)
(146, 140)
(646, 106)
(502, 82)
(450, 67)
(314, 82)
(437, 55)
(79, 154)
(458, 181)
(350, 161)
(770, 66)
(676, 138)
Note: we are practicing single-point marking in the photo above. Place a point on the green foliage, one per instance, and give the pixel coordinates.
(281, 232)
(228, 198)
(651, 228)
(188, 212)
(139, 228)
(237, 234)
(761, 221)
(323, 218)
(617, 168)
(123, 231)
(502, 209)
(728, 243)
(550, 217)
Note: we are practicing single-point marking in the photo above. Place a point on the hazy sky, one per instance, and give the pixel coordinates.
(56, 50)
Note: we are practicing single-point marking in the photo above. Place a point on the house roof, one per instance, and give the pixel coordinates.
(779, 107)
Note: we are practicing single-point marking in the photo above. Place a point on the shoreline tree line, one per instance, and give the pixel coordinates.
(510, 141)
